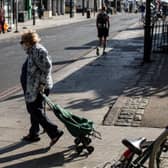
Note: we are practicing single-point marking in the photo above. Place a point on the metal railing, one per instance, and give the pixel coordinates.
(160, 36)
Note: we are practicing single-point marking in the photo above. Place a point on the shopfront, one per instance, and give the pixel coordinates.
(8, 6)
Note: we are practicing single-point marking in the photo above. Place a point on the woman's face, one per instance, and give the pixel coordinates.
(24, 45)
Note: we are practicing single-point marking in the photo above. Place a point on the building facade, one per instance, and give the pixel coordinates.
(91, 4)
(23, 8)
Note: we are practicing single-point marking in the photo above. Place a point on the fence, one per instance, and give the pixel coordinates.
(160, 36)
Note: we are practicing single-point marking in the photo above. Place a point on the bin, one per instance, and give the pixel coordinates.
(88, 13)
(22, 16)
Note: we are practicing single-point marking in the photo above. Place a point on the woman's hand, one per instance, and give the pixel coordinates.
(41, 88)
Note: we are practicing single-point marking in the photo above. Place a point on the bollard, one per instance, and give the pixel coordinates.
(88, 13)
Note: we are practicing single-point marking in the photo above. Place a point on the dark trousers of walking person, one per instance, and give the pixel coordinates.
(37, 118)
(2, 26)
(102, 35)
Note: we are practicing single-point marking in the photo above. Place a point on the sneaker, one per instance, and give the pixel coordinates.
(54, 140)
(30, 138)
(97, 51)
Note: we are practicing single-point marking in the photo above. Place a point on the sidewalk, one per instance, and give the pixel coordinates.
(93, 87)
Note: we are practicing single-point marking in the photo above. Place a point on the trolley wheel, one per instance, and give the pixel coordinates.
(77, 141)
(86, 141)
(90, 149)
(79, 149)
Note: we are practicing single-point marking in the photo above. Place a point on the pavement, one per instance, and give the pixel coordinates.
(123, 97)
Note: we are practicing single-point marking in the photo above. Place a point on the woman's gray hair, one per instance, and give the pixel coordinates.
(30, 37)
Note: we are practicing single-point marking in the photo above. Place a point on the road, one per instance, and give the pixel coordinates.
(64, 43)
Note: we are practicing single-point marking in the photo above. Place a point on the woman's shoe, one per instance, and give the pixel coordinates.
(54, 140)
(30, 138)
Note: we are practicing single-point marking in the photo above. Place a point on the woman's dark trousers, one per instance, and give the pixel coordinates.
(37, 117)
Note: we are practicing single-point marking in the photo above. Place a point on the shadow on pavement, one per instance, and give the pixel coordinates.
(12, 97)
(12, 147)
(51, 160)
(152, 80)
(135, 28)
(85, 46)
(107, 76)
(78, 48)
(23, 155)
(69, 61)
(120, 71)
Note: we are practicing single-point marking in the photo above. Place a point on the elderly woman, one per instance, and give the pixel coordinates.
(36, 74)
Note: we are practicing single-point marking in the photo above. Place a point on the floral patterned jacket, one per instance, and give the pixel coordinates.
(39, 68)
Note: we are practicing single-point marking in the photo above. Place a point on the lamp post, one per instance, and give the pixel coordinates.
(83, 7)
(147, 34)
(33, 13)
(71, 6)
(94, 7)
(116, 6)
(16, 16)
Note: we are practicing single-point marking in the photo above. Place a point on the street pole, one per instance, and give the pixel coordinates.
(83, 7)
(147, 34)
(71, 8)
(33, 12)
(116, 5)
(29, 8)
(16, 17)
(94, 7)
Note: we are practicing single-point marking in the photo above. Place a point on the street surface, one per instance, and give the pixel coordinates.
(86, 88)
(111, 89)
(65, 44)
